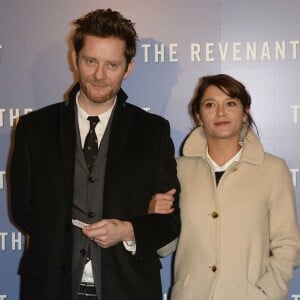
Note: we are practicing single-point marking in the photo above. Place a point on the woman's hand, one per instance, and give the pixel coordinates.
(162, 203)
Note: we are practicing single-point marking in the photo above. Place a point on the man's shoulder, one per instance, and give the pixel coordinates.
(143, 115)
(48, 111)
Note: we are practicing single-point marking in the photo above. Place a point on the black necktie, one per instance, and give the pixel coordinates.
(91, 143)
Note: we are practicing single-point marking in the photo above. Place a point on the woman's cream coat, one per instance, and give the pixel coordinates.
(238, 236)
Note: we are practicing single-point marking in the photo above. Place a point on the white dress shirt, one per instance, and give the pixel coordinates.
(224, 167)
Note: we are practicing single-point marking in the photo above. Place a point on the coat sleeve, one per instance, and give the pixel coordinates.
(284, 237)
(20, 180)
(154, 231)
(168, 249)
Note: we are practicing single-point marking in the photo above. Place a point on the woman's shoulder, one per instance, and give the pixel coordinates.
(189, 163)
(276, 165)
(274, 159)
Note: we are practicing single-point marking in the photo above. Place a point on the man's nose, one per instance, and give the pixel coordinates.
(100, 72)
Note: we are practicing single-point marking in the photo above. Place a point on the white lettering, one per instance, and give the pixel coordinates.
(280, 50)
(265, 52)
(146, 52)
(294, 176)
(11, 115)
(16, 241)
(2, 110)
(3, 235)
(1, 46)
(209, 51)
(236, 50)
(2, 174)
(223, 51)
(294, 48)
(296, 297)
(251, 51)
(159, 52)
(195, 52)
(173, 52)
(3, 297)
(295, 109)
(27, 110)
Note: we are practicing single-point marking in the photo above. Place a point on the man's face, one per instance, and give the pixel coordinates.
(101, 67)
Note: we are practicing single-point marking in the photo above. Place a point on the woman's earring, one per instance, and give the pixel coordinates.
(243, 132)
(198, 120)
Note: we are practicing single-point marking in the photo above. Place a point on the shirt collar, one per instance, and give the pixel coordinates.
(224, 167)
(83, 115)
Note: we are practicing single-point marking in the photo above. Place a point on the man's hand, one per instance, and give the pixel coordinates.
(162, 203)
(109, 232)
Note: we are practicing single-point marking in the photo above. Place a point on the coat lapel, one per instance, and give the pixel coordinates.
(120, 128)
(68, 141)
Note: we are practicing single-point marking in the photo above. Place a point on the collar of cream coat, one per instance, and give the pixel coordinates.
(195, 146)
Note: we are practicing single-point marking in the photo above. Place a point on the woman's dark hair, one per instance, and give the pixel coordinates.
(106, 23)
(229, 86)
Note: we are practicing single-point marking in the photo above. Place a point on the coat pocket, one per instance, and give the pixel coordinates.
(254, 292)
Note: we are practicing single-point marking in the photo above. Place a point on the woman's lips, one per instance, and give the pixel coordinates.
(222, 123)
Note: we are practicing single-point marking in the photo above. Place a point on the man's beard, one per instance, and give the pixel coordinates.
(94, 98)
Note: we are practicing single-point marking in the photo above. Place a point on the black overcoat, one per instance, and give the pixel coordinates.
(140, 163)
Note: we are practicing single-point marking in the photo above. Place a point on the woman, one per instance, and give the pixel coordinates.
(239, 238)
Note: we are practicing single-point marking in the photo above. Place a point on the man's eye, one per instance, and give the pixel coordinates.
(90, 61)
(112, 65)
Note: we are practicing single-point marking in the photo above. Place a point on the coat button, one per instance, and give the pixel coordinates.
(91, 214)
(214, 268)
(214, 214)
(91, 179)
(83, 252)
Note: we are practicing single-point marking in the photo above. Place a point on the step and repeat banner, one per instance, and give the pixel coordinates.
(255, 41)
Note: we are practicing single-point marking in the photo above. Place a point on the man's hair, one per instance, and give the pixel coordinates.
(106, 23)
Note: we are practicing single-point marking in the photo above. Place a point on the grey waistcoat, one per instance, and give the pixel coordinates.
(87, 207)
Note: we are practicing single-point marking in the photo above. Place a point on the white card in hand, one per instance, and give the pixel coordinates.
(79, 223)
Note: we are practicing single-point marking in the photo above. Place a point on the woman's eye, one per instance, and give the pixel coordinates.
(231, 103)
(209, 104)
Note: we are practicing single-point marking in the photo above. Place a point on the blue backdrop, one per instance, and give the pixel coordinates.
(255, 41)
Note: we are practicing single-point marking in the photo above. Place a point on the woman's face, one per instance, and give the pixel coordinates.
(220, 115)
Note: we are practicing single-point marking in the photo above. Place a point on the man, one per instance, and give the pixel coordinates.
(59, 176)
